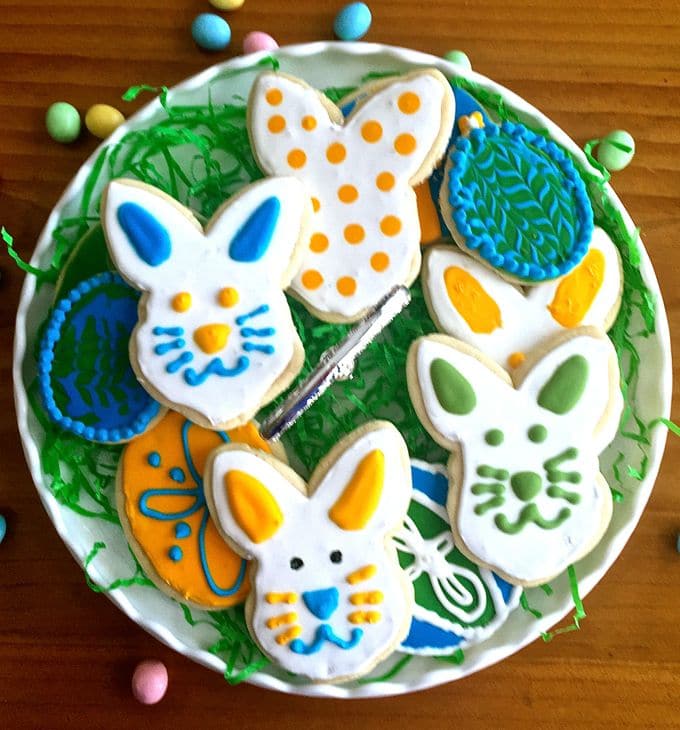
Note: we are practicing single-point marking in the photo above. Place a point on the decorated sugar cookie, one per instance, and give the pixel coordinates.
(515, 200)
(360, 171)
(526, 496)
(163, 511)
(329, 600)
(474, 304)
(85, 378)
(215, 338)
(457, 602)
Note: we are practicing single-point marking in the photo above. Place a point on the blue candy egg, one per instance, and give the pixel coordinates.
(352, 22)
(210, 32)
(3, 528)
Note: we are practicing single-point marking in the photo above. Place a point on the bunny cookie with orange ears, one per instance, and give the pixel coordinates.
(526, 497)
(328, 598)
(473, 303)
(360, 171)
(215, 338)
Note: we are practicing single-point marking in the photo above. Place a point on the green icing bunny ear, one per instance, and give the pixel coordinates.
(453, 391)
(565, 387)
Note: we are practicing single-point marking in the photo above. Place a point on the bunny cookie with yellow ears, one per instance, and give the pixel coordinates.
(526, 496)
(360, 171)
(328, 598)
(470, 301)
(215, 338)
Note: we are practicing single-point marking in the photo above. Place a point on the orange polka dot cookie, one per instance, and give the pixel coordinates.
(361, 172)
(163, 511)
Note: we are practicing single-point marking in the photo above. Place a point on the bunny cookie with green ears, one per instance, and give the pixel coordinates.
(328, 598)
(526, 497)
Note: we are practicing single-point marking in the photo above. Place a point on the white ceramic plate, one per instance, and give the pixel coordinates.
(322, 65)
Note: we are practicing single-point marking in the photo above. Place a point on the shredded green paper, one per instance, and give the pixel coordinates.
(214, 139)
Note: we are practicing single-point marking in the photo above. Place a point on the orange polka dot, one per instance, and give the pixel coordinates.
(181, 302)
(371, 131)
(276, 124)
(297, 159)
(405, 144)
(316, 204)
(409, 103)
(390, 225)
(228, 297)
(308, 123)
(318, 242)
(385, 181)
(354, 233)
(347, 193)
(380, 261)
(336, 153)
(274, 97)
(346, 285)
(311, 279)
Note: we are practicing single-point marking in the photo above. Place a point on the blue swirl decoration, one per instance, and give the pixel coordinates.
(84, 374)
(518, 202)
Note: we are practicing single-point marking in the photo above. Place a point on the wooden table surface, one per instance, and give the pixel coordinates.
(66, 654)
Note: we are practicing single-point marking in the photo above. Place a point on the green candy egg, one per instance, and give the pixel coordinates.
(616, 150)
(63, 122)
(459, 58)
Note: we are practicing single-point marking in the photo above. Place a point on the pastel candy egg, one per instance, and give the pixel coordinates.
(458, 57)
(210, 32)
(258, 41)
(227, 4)
(352, 22)
(102, 119)
(3, 527)
(149, 682)
(63, 122)
(616, 150)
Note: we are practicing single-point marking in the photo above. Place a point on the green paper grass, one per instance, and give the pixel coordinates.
(214, 139)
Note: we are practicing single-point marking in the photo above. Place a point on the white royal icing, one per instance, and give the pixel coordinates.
(534, 554)
(307, 533)
(525, 317)
(261, 340)
(358, 249)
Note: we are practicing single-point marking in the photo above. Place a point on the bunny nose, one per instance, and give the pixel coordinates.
(322, 603)
(211, 338)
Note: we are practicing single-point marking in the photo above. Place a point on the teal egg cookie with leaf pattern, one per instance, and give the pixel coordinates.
(515, 200)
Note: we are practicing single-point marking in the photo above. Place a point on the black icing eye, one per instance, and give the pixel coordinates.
(296, 563)
(336, 556)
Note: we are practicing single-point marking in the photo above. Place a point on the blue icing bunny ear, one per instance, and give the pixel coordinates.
(253, 238)
(149, 238)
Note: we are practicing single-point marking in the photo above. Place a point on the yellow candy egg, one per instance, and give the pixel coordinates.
(227, 4)
(102, 119)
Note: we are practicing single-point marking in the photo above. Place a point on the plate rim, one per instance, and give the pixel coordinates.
(53, 508)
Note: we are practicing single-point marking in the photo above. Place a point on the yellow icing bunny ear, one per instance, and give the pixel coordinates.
(365, 485)
(250, 496)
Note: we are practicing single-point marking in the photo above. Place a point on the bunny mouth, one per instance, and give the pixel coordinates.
(325, 634)
(216, 367)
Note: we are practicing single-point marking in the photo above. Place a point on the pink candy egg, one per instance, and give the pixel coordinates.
(258, 41)
(149, 682)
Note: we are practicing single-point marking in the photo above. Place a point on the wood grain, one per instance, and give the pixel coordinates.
(66, 654)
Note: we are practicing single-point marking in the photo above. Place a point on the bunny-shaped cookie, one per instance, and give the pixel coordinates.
(328, 598)
(215, 338)
(468, 300)
(360, 172)
(526, 496)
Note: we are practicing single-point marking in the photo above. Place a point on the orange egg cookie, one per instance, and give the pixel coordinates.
(163, 511)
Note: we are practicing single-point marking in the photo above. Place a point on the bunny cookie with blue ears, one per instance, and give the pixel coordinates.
(526, 497)
(360, 171)
(328, 598)
(215, 338)
(470, 301)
